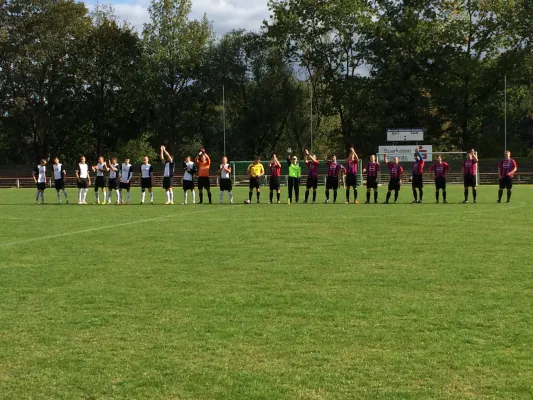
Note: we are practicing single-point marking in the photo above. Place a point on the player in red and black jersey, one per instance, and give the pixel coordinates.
(372, 169)
(395, 181)
(417, 181)
(506, 170)
(469, 170)
(275, 172)
(332, 181)
(440, 169)
(312, 175)
(352, 165)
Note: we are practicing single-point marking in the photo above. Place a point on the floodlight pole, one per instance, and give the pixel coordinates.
(224, 117)
(505, 112)
(311, 88)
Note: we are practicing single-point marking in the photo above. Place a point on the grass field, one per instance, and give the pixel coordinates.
(402, 301)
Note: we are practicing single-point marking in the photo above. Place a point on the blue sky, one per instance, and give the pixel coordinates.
(224, 14)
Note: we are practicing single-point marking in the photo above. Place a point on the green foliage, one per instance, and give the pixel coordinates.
(137, 149)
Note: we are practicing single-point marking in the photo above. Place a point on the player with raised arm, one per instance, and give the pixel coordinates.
(274, 183)
(352, 165)
(312, 175)
(83, 180)
(469, 170)
(225, 180)
(371, 170)
(147, 180)
(203, 162)
(256, 171)
(59, 180)
(39, 177)
(506, 170)
(395, 180)
(113, 184)
(126, 173)
(189, 169)
(295, 172)
(168, 174)
(417, 177)
(440, 169)
(332, 180)
(99, 183)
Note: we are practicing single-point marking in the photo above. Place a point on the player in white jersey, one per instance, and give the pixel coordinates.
(189, 169)
(99, 183)
(59, 180)
(168, 174)
(84, 180)
(114, 169)
(225, 180)
(147, 175)
(126, 173)
(39, 176)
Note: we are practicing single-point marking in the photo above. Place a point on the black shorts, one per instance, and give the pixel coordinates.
(470, 181)
(204, 183)
(167, 182)
(99, 182)
(417, 182)
(59, 184)
(312, 182)
(274, 183)
(125, 186)
(40, 185)
(112, 184)
(351, 180)
(146, 183)
(254, 183)
(506, 183)
(83, 183)
(332, 182)
(187, 185)
(440, 183)
(394, 184)
(372, 182)
(225, 184)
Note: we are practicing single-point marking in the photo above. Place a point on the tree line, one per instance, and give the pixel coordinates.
(334, 73)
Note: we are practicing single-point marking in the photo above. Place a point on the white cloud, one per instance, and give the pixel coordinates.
(225, 15)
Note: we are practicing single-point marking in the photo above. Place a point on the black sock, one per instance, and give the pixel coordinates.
(209, 197)
(348, 195)
(271, 196)
(500, 194)
(334, 196)
(327, 194)
(466, 194)
(421, 194)
(258, 194)
(278, 195)
(250, 193)
(388, 197)
(396, 195)
(444, 195)
(415, 195)
(437, 195)
(474, 193)
(508, 195)
(375, 195)
(368, 197)
(314, 195)
(355, 193)
(306, 195)
(201, 197)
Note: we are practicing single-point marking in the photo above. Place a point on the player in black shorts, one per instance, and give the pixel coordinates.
(506, 170)
(99, 183)
(274, 181)
(225, 180)
(312, 175)
(372, 169)
(39, 176)
(113, 184)
(168, 174)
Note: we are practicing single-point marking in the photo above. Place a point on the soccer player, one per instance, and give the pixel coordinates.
(395, 181)
(352, 164)
(189, 169)
(256, 171)
(312, 175)
(440, 169)
(39, 176)
(469, 170)
(295, 172)
(417, 178)
(126, 173)
(168, 174)
(147, 176)
(203, 162)
(99, 183)
(83, 180)
(225, 180)
(275, 173)
(372, 169)
(113, 184)
(506, 171)
(59, 180)
(332, 181)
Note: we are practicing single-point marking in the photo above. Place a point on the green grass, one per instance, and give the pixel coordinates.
(267, 301)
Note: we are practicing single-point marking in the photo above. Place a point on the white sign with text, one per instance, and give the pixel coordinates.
(405, 135)
(406, 153)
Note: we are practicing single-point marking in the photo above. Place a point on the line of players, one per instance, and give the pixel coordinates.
(120, 177)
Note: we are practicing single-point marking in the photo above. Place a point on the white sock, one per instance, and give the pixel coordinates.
(129, 194)
(231, 197)
(65, 194)
(58, 196)
(167, 193)
(105, 196)
(42, 197)
(97, 195)
(193, 196)
(185, 197)
(143, 196)
(80, 196)
(151, 197)
(119, 196)
(85, 191)
(110, 197)
(171, 196)
(222, 197)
